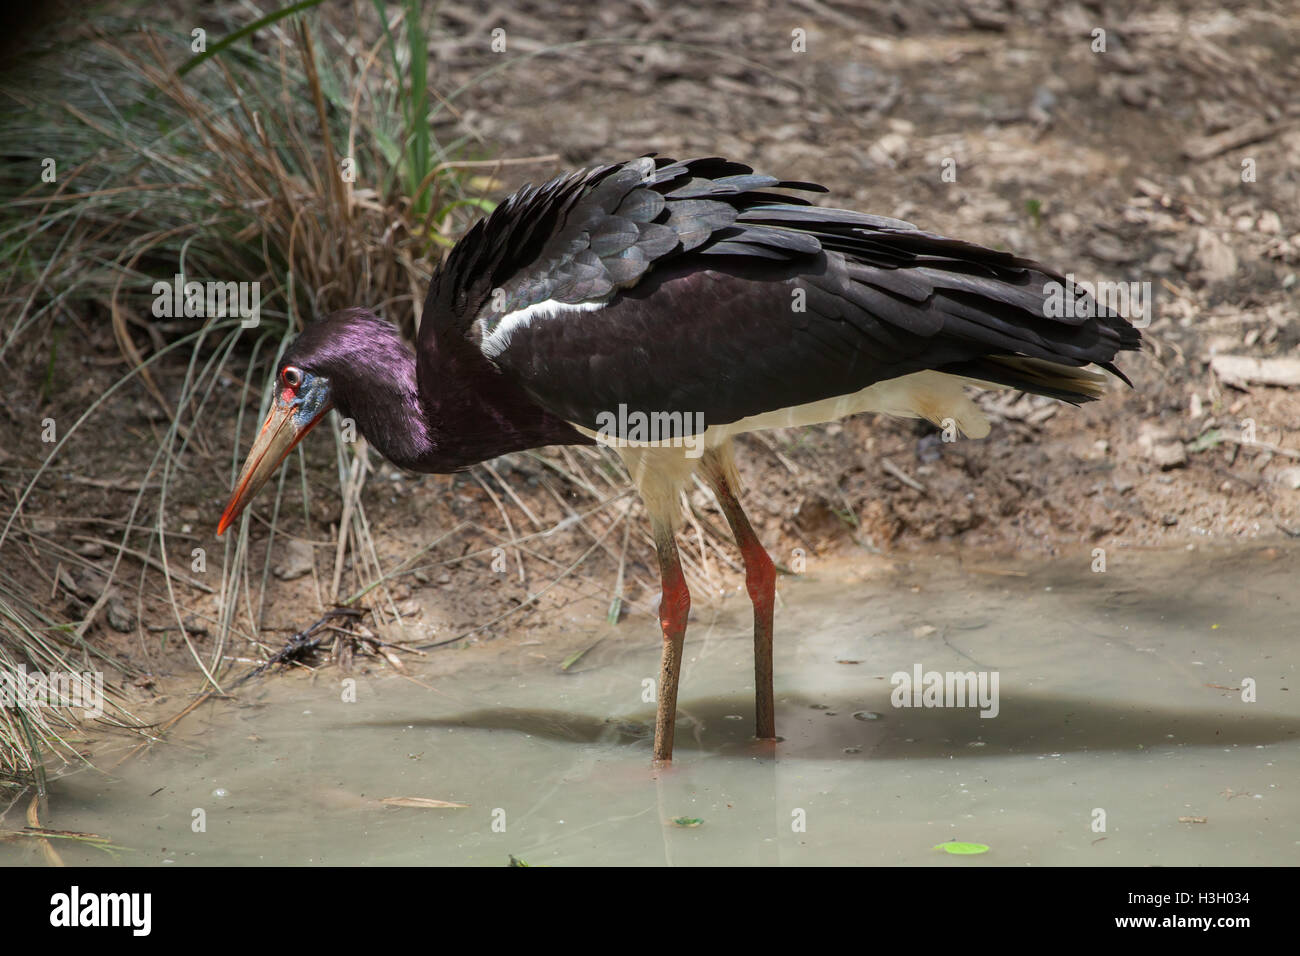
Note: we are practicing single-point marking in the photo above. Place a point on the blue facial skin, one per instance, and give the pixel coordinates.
(310, 400)
(301, 400)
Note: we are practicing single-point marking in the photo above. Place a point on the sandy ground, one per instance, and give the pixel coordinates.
(1168, 159)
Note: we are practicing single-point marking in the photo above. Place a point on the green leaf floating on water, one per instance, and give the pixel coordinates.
(574, 658)
(957, 848)
(687, 821)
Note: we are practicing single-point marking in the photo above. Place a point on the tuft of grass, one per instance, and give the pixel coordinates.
(1035, 209)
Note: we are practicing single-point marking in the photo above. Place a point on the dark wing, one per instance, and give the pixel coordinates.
(581, 237)
(690, 288)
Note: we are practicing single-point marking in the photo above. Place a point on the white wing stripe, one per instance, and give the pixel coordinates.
(496, 343)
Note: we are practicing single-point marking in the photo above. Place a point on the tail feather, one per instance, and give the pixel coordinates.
(1038, 376)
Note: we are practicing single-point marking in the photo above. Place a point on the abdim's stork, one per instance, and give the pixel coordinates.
(664, 307)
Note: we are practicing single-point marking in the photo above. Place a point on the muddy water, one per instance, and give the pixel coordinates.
(1119, 710)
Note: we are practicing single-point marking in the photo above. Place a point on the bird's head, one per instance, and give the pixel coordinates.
(352, 361)
(302, 397)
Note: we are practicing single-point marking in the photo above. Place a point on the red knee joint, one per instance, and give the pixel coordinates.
(674, 607)
(760, 574)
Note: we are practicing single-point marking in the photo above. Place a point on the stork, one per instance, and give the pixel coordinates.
(664, 307)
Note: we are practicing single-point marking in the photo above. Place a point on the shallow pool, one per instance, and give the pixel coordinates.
(1121, 735)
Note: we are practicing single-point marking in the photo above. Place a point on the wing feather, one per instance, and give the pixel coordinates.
(691, 286)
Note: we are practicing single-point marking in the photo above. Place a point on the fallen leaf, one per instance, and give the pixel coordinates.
(426, 803)
(957, 848)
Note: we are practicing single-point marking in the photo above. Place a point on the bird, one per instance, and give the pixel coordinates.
(662, 308)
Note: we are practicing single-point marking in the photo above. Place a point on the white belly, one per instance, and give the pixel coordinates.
(935, 396)
(661, 468)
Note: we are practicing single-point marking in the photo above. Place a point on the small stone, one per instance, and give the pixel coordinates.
(88, 584)
(1214, 256)
(886, 150)
(925, 630)
(1133, 92)
(296, 560)
(1162, 261)
(1169, 455)
(119, 618)
(1289, 477)
(1160, 444)
(1110, 249)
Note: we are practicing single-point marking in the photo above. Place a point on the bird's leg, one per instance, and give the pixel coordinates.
(760, 581)
(674, 606)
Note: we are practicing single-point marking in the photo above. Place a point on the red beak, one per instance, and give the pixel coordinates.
(280, 433)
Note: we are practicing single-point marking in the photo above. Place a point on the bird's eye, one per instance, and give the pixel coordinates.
(291, 376)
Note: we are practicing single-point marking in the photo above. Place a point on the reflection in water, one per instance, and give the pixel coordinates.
(1032, 722)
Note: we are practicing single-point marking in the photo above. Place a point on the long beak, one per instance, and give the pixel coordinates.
(280, 433)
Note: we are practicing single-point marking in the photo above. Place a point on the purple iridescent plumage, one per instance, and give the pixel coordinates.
(450, 410)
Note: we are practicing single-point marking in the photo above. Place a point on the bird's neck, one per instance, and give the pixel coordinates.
(450, 410)
(378, 393)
